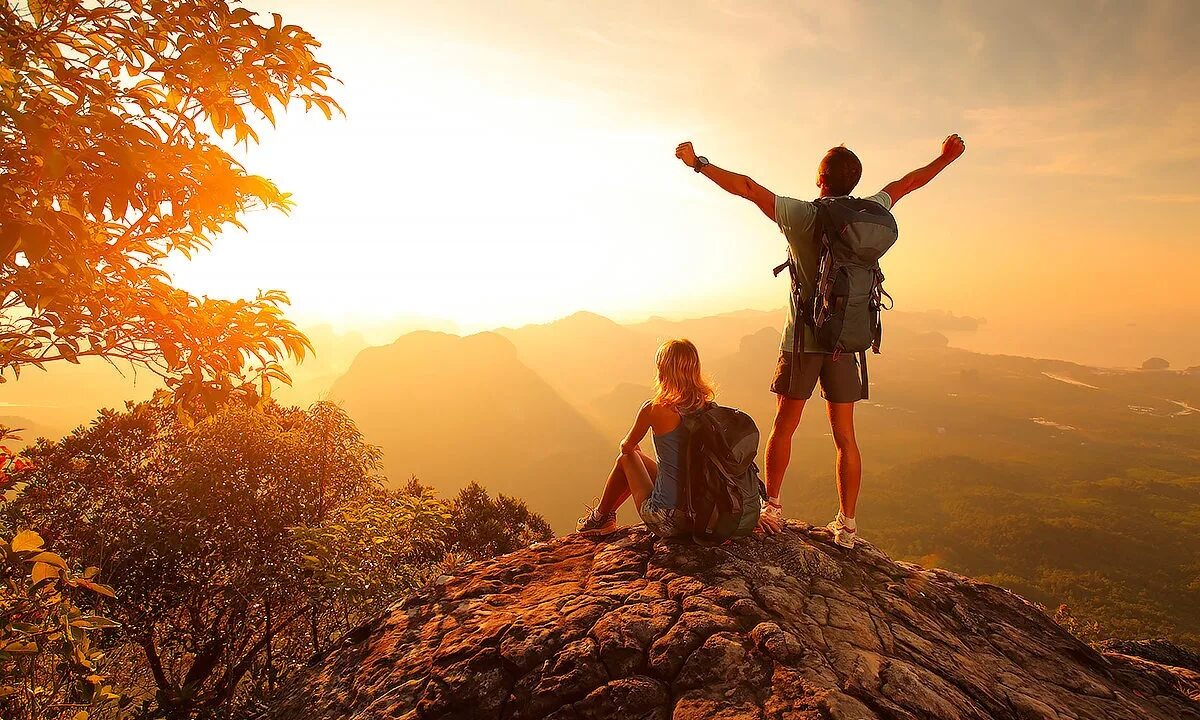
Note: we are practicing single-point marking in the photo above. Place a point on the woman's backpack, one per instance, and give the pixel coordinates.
(722, 491)
(844, 307)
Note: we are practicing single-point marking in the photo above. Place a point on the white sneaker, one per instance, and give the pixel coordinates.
(843, 534)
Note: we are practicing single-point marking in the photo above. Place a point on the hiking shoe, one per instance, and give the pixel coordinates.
(843, 534)
(597, 523)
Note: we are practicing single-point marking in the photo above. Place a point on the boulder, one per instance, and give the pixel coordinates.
(786, 627)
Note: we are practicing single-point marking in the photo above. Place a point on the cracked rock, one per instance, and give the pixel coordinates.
(789, 627)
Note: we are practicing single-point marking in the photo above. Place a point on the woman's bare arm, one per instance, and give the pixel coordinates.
(641, 425)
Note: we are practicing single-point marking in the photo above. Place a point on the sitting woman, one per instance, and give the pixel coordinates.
(655, 484)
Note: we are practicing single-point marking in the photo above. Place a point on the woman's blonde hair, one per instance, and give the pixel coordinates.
(680, 384)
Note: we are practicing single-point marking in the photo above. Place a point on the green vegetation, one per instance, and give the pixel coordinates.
(49, 663)
(235, 547)
(1119, 552)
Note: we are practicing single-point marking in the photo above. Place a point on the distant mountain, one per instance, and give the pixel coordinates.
(26, 430)
(65, 395)
(715, 335)
(333, 351)
(584, 355)
(58, 399)
(452, 410)
(1066, 482)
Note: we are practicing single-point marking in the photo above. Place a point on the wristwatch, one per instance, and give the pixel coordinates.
(701, 161)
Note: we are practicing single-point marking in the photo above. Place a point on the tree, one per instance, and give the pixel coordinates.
(481, 527)
(193, 524)
(110, 160)
(377, 546)
(241, 544)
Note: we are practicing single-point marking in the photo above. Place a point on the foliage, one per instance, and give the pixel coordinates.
(1054, 538)
(243, 543)
(482, 527)
(380, 544)
(1086, 630)
(49, 665)
(192, 522)
(111, 119)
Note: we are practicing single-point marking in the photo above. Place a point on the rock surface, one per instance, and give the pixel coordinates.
(789, 627)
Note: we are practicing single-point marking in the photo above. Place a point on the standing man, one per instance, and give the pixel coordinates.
(796, 377)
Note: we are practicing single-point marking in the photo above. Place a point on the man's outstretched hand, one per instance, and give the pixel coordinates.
(686, 153)
(953, 147)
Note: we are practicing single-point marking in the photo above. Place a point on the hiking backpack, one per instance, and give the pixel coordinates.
(844, 306)
(722, 491)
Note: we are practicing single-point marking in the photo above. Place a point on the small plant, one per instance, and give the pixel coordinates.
(1086, 630)
(49, 666)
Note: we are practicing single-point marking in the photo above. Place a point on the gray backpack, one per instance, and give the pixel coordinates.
(843, 308)
(722, 492)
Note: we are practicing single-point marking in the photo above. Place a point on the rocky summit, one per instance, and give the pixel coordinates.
(786, 627)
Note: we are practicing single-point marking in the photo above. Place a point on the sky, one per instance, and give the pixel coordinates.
(509, 163)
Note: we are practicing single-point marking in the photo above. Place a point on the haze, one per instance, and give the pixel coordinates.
(508, 164)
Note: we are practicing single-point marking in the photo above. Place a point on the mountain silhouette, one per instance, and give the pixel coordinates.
(584, 355)
(452, 410)
(784, 627)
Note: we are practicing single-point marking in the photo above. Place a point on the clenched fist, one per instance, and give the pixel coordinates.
(686, 153)
(952, 147)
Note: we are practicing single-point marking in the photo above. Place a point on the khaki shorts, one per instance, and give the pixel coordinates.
(839, 376)
(662, 521)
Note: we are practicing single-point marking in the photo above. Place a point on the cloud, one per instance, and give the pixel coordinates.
(1169, 198)
(1120, 135)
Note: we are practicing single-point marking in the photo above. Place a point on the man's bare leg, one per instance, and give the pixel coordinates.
(849, 460)
(779, 445)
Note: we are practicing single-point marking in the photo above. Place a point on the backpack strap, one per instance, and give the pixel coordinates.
(685, 470)
(866, 381)
(690, 420)
(824, 234)
(800, 321)
(877, 308)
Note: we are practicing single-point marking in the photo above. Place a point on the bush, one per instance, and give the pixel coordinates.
(241, 544)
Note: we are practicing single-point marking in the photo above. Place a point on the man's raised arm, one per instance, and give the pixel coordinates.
(730, 182)
(952, 148)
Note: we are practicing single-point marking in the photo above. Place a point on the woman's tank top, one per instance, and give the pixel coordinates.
(669, 449)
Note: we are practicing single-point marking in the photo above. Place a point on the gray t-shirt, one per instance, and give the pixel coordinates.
(796, 219)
